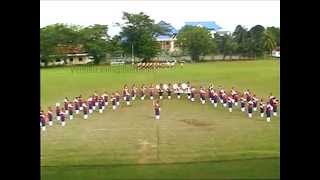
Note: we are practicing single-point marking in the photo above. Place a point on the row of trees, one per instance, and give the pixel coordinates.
(138, 35)
(249, 43)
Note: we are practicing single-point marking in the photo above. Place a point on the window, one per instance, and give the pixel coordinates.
(80, 59)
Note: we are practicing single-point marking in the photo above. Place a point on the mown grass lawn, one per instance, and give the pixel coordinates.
(195, 141)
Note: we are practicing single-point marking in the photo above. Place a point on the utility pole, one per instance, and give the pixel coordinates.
(132, 56)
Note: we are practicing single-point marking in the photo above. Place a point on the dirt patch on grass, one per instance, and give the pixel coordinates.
(195, 122)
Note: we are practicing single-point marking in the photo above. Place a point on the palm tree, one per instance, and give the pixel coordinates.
(269, 42)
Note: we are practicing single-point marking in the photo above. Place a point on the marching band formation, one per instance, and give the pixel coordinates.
(98, 103)
(155, 65)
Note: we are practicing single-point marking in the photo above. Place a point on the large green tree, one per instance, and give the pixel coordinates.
(225, 44)
(256, 41)
(241, 38)
(95, 40)
(195, 41)
(139, 34)
(274, 32)
(269, 42)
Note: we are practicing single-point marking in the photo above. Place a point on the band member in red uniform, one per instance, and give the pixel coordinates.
(134, 92)
(113, 101)
(269, 110)
(202, 95)
(70, 109)
(262, 107)
(62, 115)
(250, 108)
(151, 91)
(58, 111)
(117, 95)
(42, 120)
(85, 110)
(157, 109)
(50, 116)
(142, 92)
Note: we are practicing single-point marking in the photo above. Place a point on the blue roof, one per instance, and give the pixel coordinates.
(211, 25)
(171, 30)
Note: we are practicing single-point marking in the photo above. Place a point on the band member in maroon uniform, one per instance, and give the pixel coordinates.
(202, 95)
(85, 110)
(242, 103)
(235, 96)
(274, 106)
(169, 90)
(42, 120)
(90, 105)
(117, 95)
(93, 103)
(157, 109)
(250, 108)
(230, 102)
(255, 102)
(127, 96)
(133, 92)
(58, 112)
(160, 91)
(221, 93)
(224, 99)
(247, 94)
(269, 110)
(188, 90)
(70, 109)
(105, 97)
(66, 102)
(50, 116)
(261, 107)
(76, 105)
(143, 92)
(62, 115)
(100, 105)
(125, 88)
(192, 94)
(151, 90)
(113, 101)
(80, 102)
(210, 91)
(215, 98)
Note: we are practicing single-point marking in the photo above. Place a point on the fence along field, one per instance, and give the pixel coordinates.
(188, 132)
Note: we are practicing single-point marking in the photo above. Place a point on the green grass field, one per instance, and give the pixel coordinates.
(195, 141)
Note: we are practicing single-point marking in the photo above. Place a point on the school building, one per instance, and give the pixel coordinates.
(167, 41)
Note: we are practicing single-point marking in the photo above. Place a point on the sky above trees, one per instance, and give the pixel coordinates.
(227, 14)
